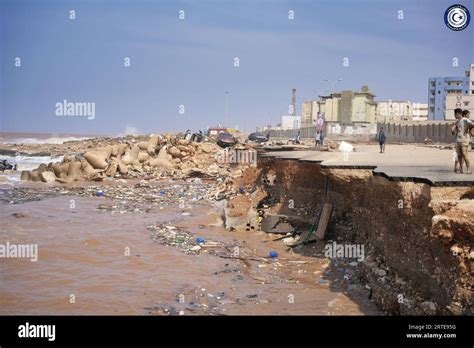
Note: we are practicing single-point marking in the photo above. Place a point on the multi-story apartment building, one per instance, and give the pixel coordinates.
(441, 87)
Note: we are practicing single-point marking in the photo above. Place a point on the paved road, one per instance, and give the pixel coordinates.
(399, 162)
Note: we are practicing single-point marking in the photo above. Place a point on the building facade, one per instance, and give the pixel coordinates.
(348, 107)
(420, 112)
(465, 102)
(441, 87)
(290, 122)
(394, 110)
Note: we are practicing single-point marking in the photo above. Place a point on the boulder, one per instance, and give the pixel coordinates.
(112, 169)
(88, 171)
(121, 149)
(35, 176)
(74, 170)
(122, 167)
(25, 175)
(131, 155)
(143, 156)
(174, 151)
(161, 160)
(98, 158)
(47, 176)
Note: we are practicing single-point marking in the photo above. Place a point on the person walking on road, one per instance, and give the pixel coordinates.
(318, 138)
(461, 130)
(298, 137)
(381, 138)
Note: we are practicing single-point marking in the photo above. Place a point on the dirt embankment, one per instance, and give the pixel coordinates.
(418, 239)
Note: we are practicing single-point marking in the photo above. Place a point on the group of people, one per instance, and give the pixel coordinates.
(461, 129)
(319, 137)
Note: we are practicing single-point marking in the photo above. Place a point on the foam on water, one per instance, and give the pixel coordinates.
(53, 140)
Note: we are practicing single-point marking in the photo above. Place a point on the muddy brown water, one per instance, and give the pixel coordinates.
(82, 253)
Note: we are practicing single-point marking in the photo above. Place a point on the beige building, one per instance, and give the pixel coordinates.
(308, 113)
(349, 107)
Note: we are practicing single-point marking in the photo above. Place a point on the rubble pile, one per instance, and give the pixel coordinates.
(159, 156)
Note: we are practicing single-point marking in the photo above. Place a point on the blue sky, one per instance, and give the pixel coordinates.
(190, 62)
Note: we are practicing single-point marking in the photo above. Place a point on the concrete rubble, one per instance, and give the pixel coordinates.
(157, 156)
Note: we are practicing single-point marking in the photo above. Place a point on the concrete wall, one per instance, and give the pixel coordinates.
(438, 132)
(329, 129)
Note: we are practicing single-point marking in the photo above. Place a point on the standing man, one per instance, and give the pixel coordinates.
(457, 117)
(462, 129)
(381, 138)
(318, 138)
(298, 137)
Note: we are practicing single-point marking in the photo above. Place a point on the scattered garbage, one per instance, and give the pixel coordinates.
(273, 254)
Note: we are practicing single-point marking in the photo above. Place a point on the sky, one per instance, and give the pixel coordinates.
(180, 69)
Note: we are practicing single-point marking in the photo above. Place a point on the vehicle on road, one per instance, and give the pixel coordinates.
(225, 139)
(257, 137)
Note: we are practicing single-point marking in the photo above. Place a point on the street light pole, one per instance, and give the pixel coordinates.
(226, 102)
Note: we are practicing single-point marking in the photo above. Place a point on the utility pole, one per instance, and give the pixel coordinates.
(226, 104)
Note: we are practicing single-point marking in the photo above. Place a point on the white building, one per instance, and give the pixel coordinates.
(394, 110)
(397, 110)
(420, 112)
(290, 122)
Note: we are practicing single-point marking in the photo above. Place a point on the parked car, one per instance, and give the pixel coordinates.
(257, 137)
(225, 139)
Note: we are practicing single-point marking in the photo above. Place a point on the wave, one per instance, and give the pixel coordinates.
(27, 163)
(54, 140)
